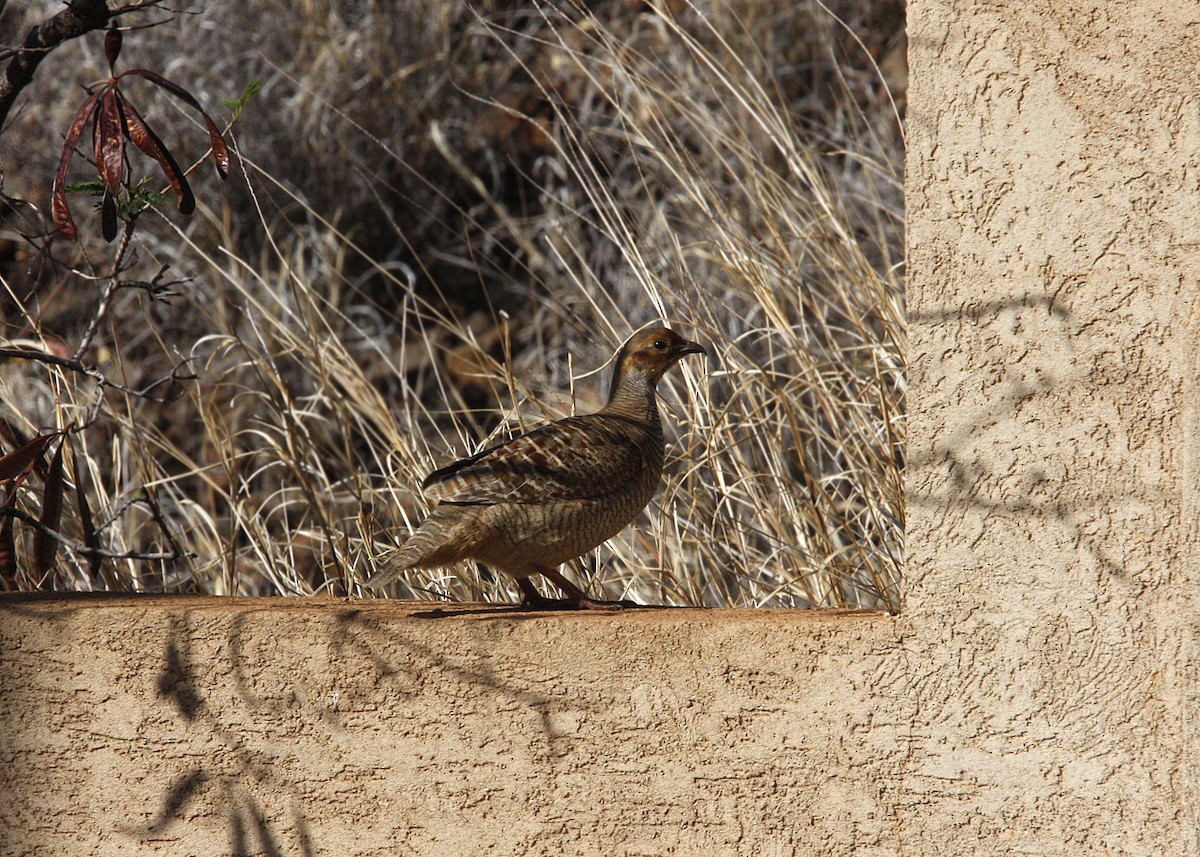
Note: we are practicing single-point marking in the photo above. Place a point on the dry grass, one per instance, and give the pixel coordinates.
(443, 239)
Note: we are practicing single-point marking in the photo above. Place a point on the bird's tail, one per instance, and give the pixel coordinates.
(434, 544)
(391, 565)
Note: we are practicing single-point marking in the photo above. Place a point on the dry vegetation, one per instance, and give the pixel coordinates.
(444, 219)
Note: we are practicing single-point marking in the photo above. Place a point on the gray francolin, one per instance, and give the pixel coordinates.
(526, 506)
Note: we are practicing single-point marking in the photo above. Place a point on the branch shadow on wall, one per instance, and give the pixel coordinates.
(201, 786)
(360, 633)
(1037, 342)
(243, 743)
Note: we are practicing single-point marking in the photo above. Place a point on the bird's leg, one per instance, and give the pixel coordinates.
(577, 598)
(534, 600)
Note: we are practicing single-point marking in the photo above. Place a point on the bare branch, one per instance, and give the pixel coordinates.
(109, 292)
(142, 5)
(158, 288)
(79, 18)
(177, 375)
(79, 547)
(54, 360)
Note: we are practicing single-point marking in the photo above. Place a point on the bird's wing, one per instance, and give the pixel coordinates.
(579, 458)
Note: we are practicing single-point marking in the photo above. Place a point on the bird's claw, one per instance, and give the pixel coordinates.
(541, 602)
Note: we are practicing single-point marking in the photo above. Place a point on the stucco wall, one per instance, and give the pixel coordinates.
(1054, 260)
(368, 728)
(1038, 695)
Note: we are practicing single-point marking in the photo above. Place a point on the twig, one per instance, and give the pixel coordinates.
(79, 18)
(114, 284)
(49, 359)
(76, 365)
(80, 547)
(144, 4)
(156, 287)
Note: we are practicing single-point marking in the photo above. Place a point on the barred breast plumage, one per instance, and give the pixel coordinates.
(526, 506)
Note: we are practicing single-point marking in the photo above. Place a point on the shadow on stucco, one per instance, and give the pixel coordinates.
(243, 770)
(1033, 490)
(251, 827)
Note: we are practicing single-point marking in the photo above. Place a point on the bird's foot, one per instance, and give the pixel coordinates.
(575, 600)
(596, 604)
(537, 601)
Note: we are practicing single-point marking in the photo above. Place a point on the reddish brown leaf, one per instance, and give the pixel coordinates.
(97, 144)
(8, 545)
(108, 216)
(112, 44)
(110, 141)
(45, 546)
(8, 556)
(58, 198)
(173, 88)
(145, 139)
(11, 434)
(85, 516)
(219, 149)
(20, 460)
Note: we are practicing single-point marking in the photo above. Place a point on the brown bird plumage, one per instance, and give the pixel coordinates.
(526, 506)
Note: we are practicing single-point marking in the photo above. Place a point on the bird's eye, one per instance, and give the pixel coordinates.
(660, 344)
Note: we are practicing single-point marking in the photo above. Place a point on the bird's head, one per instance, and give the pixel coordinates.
(653, 351)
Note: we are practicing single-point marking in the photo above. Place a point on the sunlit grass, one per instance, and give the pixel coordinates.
(672, 181)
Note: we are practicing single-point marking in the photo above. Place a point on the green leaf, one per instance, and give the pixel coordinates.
(95, 187)
(143, 196)
(238, 104)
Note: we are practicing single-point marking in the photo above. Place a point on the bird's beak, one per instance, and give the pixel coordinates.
(692, 348)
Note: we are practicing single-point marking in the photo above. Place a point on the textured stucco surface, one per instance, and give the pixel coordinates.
(1053, 260)
(1039, 694)
(197, 726)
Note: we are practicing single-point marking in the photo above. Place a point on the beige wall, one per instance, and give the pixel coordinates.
(1039, 695)
(1054, 248)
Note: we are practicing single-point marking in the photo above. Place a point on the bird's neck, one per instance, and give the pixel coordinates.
(632, 396)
